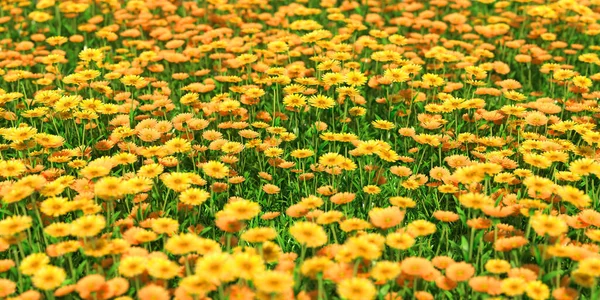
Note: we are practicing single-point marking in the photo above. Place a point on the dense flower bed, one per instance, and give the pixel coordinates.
(256, 149)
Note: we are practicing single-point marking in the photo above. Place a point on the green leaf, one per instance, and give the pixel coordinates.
(552, 275)
(81, 267)
(464, 246)
(383, 291)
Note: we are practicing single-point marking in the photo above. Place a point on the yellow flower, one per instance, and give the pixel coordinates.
(550, 225)
(215, 169)
(273, 281)
(241, 209)
(309, 234)
(356, 289)
(131, 266)
(321, 101)
(33, 262)
(48, 277)
(434, 80)
(90, 54)
(218, 265)
(14, 224)
(88, 226)
(355, 78)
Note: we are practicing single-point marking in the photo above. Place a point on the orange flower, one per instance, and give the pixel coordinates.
(460, 271)
(65, 290)
(486, 284)
(416, 266)
(510, 243)
(385, 218)
(240, 292)
(88, 285)
(442, 262)
(271, 189)
(7, 287)
(479, 223)
(228, 224)
(6, 264)
(422, 295)
(118, 285)
(153, 292)
(270, 215)
(342, 198)
(522, 273)
(565, 293)
(445, 283)
(445, 216)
